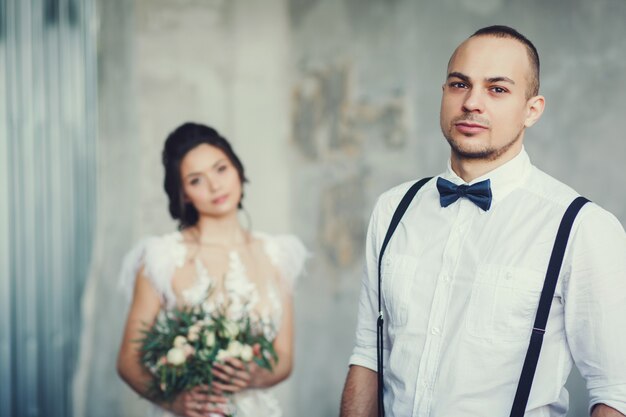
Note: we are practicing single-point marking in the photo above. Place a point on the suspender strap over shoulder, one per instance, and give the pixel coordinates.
(543, 310)
(395, 220)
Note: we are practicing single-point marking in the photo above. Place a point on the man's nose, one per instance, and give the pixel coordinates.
(474, 102)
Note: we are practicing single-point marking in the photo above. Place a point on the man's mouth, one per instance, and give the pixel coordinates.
(470, 127)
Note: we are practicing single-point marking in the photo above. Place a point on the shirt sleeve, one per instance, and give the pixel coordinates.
(364, 353)
(595, 305)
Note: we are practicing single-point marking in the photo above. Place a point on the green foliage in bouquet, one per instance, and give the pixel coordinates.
(183, 344)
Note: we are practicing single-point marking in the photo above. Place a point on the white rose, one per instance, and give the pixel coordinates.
(194, 332)
(234, 348)
(176, 356)
(221, 355)
(210, 339)
(180, 341)
(246, 353)
(231, 330)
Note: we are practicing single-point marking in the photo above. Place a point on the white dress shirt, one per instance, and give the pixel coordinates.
(460, 292)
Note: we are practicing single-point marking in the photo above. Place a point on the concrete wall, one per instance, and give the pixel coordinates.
(97, 389)
(330, 102)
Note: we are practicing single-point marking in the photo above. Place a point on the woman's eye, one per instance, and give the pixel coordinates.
(222, 168)
(194, 181)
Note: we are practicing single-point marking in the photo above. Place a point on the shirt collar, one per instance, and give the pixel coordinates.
(504, 179)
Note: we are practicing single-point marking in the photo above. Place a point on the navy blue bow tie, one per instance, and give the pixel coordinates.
(479, 193)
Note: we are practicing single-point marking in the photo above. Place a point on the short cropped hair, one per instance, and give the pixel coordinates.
(499, 31)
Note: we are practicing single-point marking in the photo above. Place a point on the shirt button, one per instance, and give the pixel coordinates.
(435, 330)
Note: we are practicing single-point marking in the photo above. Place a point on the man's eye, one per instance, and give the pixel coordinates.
(498, 90)
(458, 84)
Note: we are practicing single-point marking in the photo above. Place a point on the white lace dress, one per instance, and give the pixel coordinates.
(162, 256)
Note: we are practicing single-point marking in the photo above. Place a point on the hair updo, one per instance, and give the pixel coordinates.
(186, 137)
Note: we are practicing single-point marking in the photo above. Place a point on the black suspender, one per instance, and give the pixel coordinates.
(395, 220)
(541, 317)
(543, 310)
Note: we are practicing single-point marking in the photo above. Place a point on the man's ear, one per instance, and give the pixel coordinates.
(534, 110)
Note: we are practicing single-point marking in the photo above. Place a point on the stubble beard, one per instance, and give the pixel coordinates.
(485, 154)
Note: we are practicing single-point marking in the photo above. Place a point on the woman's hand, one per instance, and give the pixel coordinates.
(233, 376)
(198, 402)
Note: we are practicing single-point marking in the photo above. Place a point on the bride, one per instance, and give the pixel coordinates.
(204, 182)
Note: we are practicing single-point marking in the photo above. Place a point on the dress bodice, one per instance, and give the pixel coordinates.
(234, 293)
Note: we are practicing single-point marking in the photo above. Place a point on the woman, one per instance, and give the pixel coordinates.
(204, 182)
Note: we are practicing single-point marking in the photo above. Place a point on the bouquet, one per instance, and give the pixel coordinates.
(183, 344)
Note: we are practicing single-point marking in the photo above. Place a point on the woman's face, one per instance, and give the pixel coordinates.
(210, 181)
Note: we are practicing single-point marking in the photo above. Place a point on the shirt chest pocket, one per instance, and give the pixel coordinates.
(398, 274)
(503, 303)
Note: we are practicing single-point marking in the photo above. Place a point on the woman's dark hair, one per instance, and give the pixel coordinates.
(186, 137)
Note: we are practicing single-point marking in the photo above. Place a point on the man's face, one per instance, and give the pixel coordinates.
(484, 107)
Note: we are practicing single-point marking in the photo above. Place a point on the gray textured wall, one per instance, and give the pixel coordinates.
(330, 103)
(97, 389)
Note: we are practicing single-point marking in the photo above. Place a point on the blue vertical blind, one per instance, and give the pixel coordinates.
(48, 129)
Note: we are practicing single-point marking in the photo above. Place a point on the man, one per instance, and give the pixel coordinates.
(461, 278)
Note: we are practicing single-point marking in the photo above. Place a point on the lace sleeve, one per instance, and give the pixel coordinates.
(159, 256)
(289, 254)
(131, 265)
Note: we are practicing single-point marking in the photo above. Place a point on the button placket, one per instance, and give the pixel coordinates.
(435, 336)
(432, 348)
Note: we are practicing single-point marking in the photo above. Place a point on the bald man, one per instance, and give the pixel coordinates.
(464, 271)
